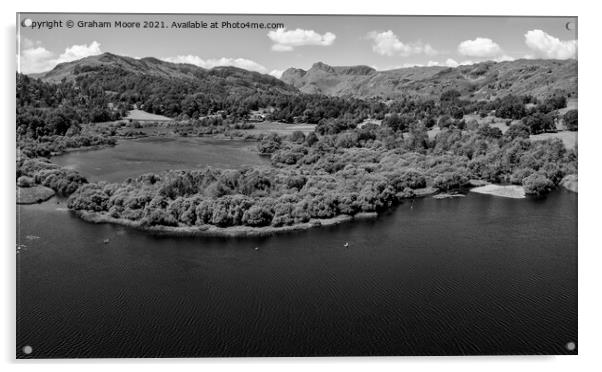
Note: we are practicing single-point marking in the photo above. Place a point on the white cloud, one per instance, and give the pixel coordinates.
(480, 47)
(286, 40)
(504, 58)
(451, 63)
(276, 73)
(447, 63)
(36, 58)
(76, 52)
(406, 65)
(247, 64)
(386, 43)
(548, 46)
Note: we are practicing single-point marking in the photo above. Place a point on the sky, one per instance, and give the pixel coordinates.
(382, 42)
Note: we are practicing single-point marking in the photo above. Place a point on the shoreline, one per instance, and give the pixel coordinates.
(504, 191)
(570, 183)
(216, 231)
(83, 148)
(34, 194)
(241, 230)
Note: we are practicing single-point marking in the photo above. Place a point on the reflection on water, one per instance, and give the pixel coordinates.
(130, 158)
(478, 275)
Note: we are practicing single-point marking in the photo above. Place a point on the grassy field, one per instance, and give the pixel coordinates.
(32, 195)
(569, 138)
(280, 128)
(145, 116)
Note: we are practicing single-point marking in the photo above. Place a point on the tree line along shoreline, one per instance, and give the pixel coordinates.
(341, 169)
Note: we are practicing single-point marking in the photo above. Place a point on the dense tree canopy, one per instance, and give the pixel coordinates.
(343, 173)
(347, 166)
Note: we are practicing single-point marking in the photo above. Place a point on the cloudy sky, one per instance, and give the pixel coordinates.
(383, 42)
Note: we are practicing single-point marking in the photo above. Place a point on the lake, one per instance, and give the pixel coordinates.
(134, 157)
(473, 275)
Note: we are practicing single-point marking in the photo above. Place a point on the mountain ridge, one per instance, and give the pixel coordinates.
(480, 81)
(147, 65)
(484, 80)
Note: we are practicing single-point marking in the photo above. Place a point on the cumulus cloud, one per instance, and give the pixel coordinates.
(247, 64)
(480, 47)
(386, 43)
(286, 40)
(451, 63)
(276, 73)
(76, 52)
(35, 58)
(447, 63)
(548, 46)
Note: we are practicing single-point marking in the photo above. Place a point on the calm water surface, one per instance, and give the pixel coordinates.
(130, 158)
(476, 275)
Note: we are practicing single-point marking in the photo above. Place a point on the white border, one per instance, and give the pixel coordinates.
(590, 257)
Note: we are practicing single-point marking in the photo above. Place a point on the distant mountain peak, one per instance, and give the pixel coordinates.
(322, 66)
(478, 81)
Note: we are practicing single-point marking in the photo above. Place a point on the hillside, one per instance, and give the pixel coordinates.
(107, 67)
(157, 68)
(479, 81)
(166, 88)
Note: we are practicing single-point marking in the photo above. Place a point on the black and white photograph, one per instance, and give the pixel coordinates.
(281, 185)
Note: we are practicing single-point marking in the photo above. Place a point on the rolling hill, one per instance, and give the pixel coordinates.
(127, 76)
(164, 88)
(484, 80)
(107, 65)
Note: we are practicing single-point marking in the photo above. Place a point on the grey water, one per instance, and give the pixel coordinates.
(131, 158)
(474, 275)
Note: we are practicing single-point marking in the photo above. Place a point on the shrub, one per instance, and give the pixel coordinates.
(25, 181)
(257, 216)
(510, 107)
(297, 137)
(517, 130)
(570, 120)
(445, 121)
(537, 185)
(539, 123)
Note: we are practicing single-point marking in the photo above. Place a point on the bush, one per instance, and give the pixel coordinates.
(445, 121)
(269, 144)
(159, 217)
(537, 185)
(257, 216)
(489, 132)
(539, 123)
(451, 180)
(25, 181)
(510, 107)
(297, 137)
(570, 120)
(310, 139)
(517, 130)
(472, 124)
